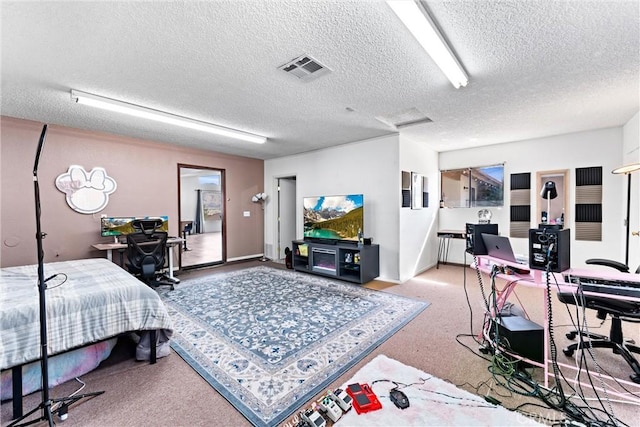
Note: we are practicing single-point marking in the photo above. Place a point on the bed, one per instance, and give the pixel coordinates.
(89, 302)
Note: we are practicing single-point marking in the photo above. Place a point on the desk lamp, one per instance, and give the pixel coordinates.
(548, 192)
(627, 170)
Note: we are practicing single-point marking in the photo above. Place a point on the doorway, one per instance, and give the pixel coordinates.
(201, 199)
(286, 215)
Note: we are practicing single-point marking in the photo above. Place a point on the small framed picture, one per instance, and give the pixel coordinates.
(416, 190)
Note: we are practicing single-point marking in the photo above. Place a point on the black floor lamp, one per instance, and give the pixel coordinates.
(627, 170)
(47, 406)
(261, 198)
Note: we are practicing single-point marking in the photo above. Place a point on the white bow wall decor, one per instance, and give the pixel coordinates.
(86, 192)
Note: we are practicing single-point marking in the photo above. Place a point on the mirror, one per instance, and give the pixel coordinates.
(472, 187)
(201, 192)
(555, 210)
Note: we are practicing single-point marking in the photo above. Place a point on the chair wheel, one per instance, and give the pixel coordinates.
(567, 352)
(571, 335)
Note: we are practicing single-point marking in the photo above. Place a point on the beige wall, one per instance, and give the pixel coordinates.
(146, 173)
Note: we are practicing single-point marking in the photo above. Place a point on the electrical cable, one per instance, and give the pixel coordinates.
(64, 280)
(466, 294)
(423, 381)
(506, 372)
(582, 360)
(610, 413)
(552, 344)
(568, 407)
(469, 348)
(59, 404)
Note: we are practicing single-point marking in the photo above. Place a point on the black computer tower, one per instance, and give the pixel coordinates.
(550, 245)
(521, 336)
(475, 244)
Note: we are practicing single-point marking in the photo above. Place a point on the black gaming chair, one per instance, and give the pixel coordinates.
(146, 252)
(618, 310)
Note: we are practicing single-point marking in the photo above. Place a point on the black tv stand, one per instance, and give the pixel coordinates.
(321, 240)
(340, 260)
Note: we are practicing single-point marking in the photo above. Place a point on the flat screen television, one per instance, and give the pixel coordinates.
(121, 225)
(333, 217)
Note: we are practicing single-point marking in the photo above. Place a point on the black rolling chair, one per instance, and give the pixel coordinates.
(146, 251)
(618, 309)
(613, 264)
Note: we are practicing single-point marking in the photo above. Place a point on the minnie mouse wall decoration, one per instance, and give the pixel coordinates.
(86, 192)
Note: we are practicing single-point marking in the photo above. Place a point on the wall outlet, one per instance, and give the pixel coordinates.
(247, 213)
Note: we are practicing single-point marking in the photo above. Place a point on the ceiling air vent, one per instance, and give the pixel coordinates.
(405, 118)
(305, 68)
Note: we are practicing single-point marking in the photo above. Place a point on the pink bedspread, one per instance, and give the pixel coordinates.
(62, 367)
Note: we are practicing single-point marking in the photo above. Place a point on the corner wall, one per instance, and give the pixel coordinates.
(418, 227)
(601, 147)
(370, 167)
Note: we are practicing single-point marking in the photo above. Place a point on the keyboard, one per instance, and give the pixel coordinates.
(620, 287)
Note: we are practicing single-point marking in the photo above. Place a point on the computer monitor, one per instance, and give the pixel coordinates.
(122, 225)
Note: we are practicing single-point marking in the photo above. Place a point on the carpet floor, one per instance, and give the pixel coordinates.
(268, 339)
(170, 393)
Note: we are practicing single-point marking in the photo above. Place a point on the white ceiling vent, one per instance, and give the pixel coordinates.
(305, 68)
(405, 118)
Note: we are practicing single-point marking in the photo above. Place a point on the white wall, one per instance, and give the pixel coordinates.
(417, 232)
(407, 238)
(631, 154)
(369, 167)
(189, 198)
(584, 149)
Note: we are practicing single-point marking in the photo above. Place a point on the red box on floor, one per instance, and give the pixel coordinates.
(364, 399)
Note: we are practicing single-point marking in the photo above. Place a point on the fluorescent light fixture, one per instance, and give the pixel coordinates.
(161, 116)
(418, 21)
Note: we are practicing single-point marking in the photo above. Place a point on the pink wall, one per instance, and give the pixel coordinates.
(146, 173)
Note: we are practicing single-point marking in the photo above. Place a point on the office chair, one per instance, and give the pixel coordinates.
(146, 252)
(623, 268)
(619, 310)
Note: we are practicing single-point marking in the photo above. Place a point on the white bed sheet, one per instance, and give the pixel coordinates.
(98, 300)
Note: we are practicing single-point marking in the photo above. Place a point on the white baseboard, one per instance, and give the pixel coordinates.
(242, 258)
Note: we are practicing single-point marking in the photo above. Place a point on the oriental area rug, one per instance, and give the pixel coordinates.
(269, 340)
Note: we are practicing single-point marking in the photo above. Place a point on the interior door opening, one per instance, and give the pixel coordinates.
(202, 223)
(286, 215)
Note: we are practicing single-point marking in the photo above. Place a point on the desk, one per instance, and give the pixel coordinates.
(120, 247)
(443, 247)
(537, 279)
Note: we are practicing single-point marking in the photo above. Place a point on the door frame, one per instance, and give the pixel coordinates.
(277, 214)
(223, 189)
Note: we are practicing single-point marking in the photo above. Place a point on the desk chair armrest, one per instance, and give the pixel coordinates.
(609, 263)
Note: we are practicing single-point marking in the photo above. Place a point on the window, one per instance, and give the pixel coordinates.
(472, 187)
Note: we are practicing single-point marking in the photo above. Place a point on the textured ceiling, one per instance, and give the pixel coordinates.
(536, 68)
